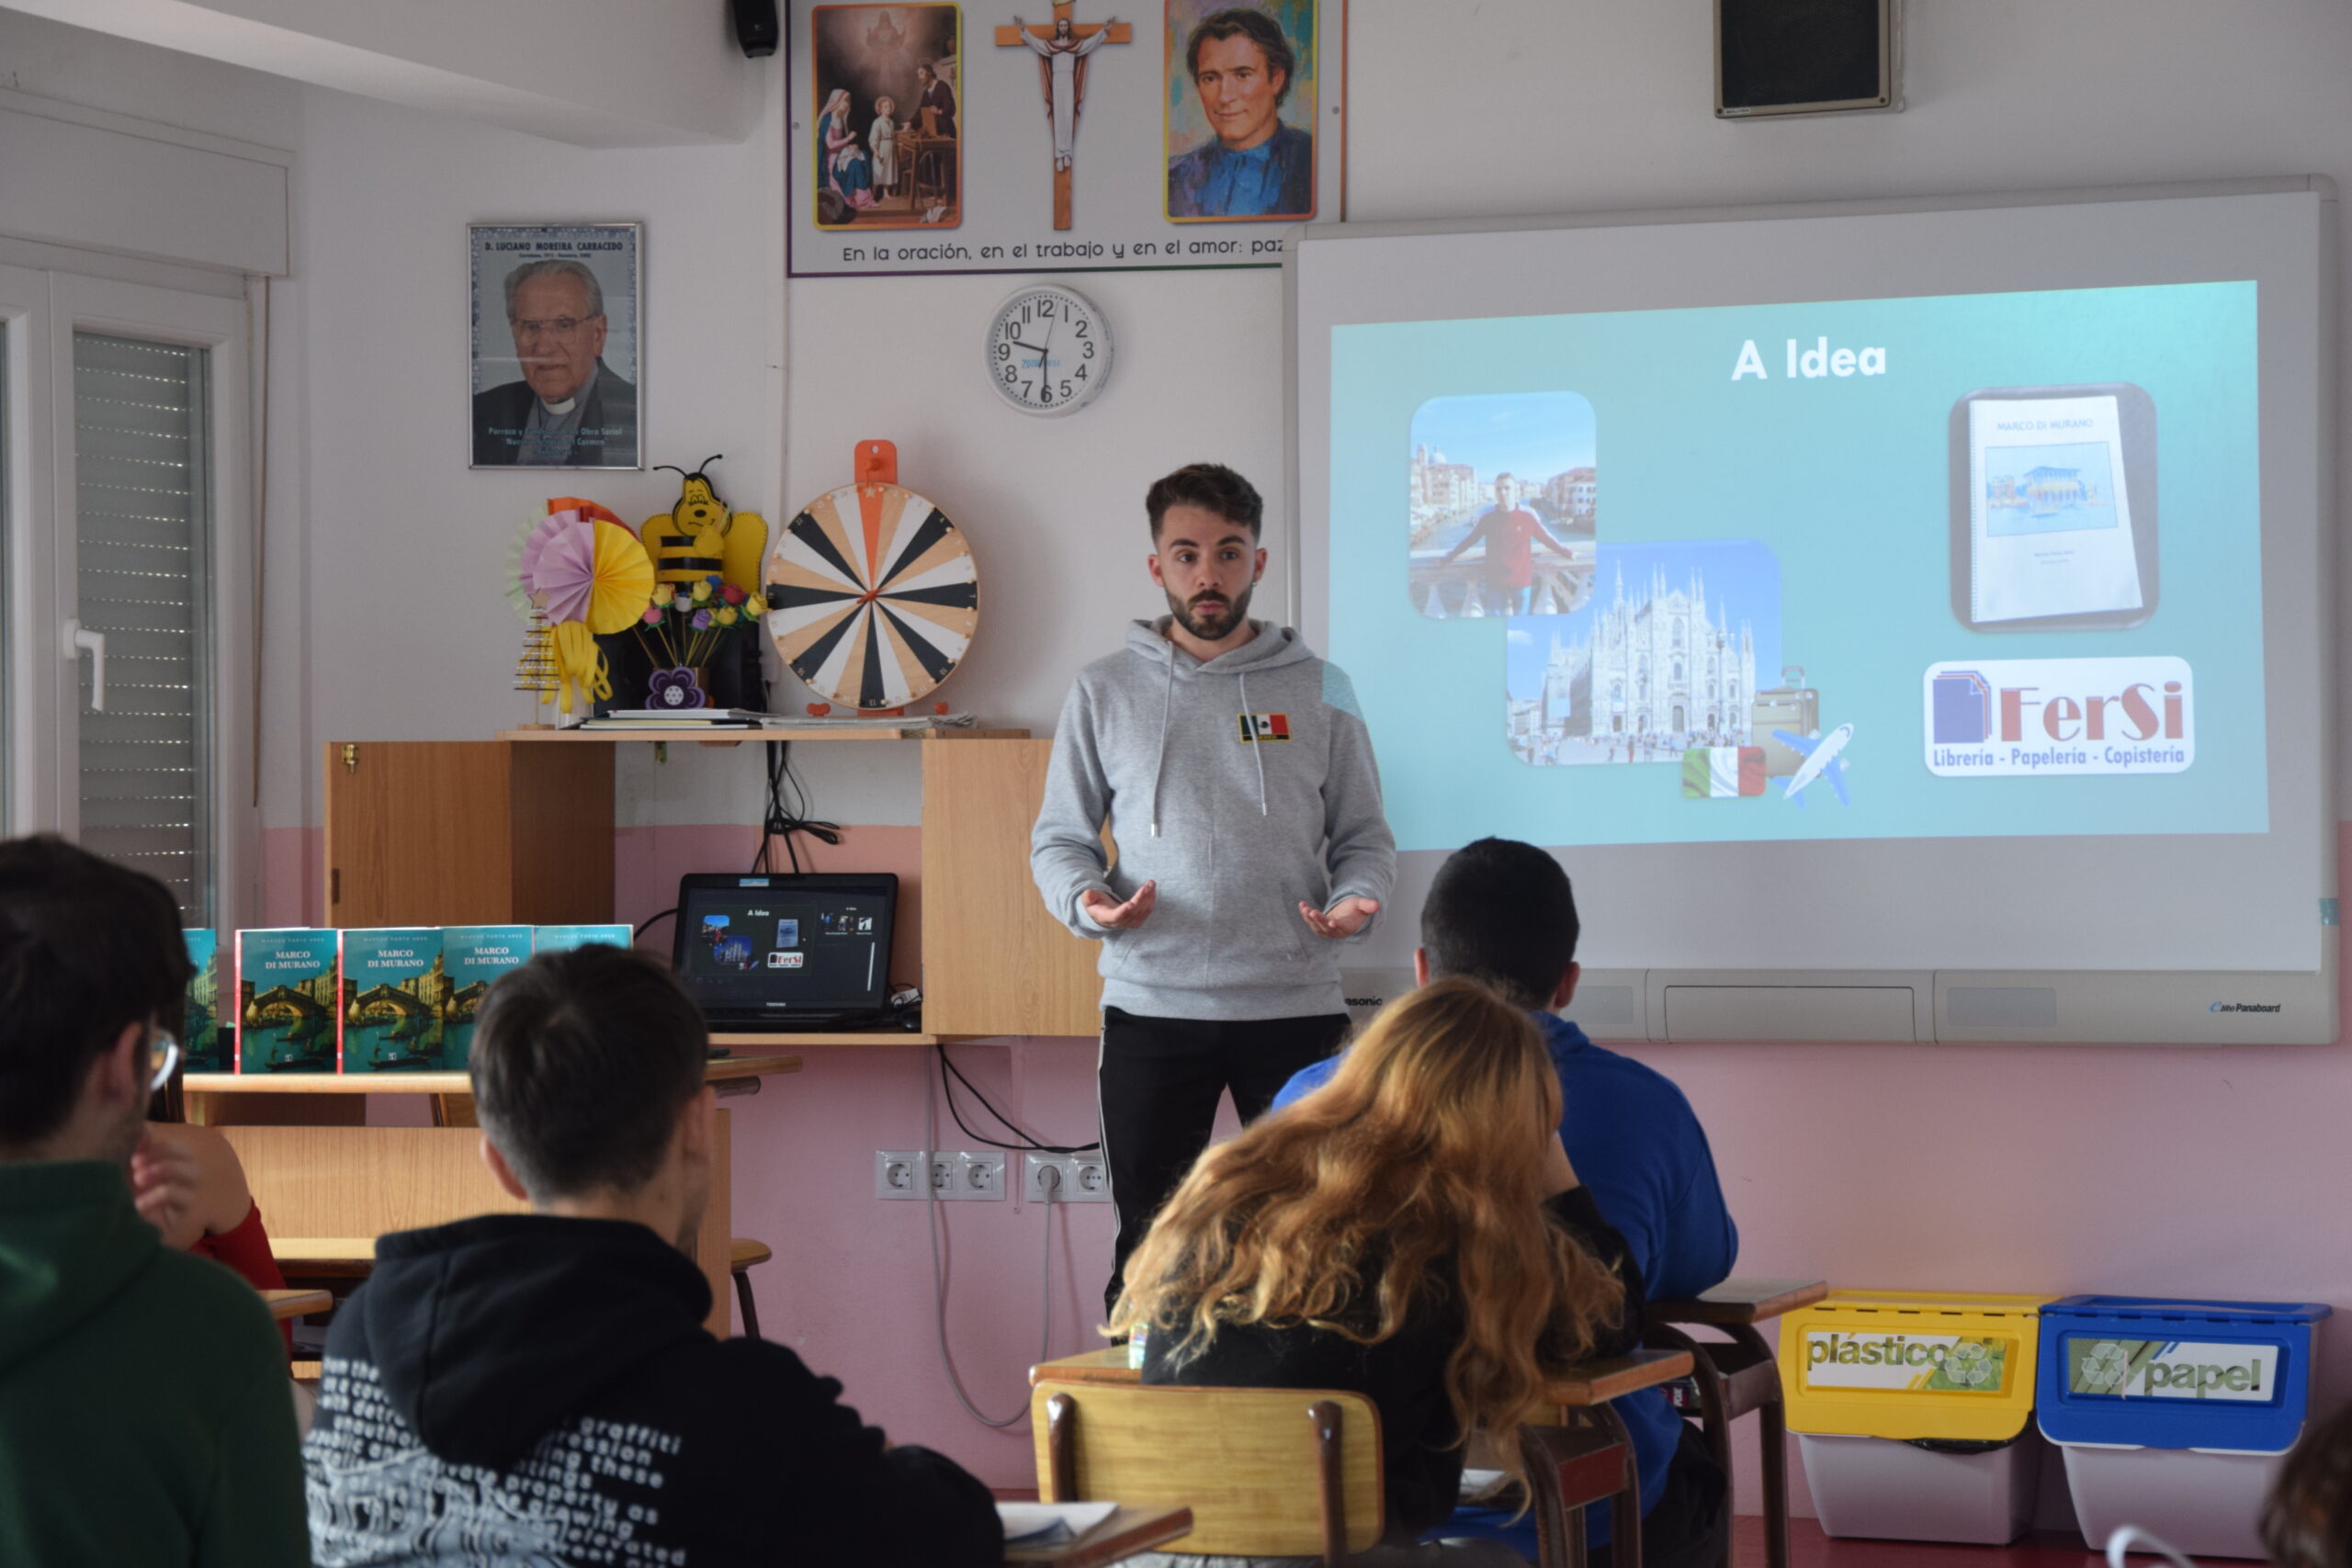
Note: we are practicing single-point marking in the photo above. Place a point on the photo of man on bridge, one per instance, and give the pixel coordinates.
(1519, 542)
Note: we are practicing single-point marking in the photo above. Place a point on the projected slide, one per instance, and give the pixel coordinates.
(1921, 568)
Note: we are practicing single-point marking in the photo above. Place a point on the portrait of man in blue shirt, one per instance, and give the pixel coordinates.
(1255, 166)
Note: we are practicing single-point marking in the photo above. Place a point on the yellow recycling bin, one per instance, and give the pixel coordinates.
(1913, 1410)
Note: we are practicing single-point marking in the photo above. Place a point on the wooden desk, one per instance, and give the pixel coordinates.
(284, 1305)
(1124, 1534)
(1590, 1384)
(349, 1184)
(1579, 1387)
(1739, 1377)
(1741, 1301)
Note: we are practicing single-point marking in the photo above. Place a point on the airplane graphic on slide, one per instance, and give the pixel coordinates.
(1820, 759)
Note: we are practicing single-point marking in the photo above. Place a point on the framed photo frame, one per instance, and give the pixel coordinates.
(1241, 87)
(556, 345)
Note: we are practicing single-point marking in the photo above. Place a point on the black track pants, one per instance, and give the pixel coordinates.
(1160, 1079)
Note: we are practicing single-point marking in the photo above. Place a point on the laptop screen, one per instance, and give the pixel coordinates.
(776, 948)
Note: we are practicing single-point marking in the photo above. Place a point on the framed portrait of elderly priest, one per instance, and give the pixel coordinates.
(558, 310)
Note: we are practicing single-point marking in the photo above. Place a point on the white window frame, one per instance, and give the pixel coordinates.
(42, 310)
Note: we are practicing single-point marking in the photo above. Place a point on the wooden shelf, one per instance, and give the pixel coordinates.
(846, 1037)
(736, 735)
(720, 1069)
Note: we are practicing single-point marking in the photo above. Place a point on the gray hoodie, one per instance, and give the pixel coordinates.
(1243, 786)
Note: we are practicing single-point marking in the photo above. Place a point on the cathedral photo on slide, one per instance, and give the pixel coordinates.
(1663, 658)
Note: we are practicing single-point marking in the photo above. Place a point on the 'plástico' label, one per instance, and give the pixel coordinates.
(1941, 1363)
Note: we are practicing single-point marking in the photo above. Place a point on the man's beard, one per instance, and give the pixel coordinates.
(1208, 630)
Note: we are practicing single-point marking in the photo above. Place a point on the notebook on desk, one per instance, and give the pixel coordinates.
(781, 954)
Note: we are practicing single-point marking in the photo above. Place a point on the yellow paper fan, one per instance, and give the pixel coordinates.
(623, 581)
(580, 666)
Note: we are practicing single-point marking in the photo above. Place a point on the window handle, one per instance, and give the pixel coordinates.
(79, 639)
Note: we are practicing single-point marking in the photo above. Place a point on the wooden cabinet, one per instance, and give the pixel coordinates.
(994, 961)
(468, 833)
(519, 831)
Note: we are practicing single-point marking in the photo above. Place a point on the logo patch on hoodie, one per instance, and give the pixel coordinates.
(1264, 727)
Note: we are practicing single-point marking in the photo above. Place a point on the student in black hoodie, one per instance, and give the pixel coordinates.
(540, 1389)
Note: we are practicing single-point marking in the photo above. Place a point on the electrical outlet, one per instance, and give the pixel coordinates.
(1080, 1178)
(976, 1176)
(898, 1173)
(955, 1177)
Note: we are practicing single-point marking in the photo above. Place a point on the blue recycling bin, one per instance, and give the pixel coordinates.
(2174, 1414)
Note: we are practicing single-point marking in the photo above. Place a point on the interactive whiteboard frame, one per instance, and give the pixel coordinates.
(2167, 1005)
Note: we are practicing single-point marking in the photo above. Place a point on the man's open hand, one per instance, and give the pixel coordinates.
(1124, 917)
(1345, 918)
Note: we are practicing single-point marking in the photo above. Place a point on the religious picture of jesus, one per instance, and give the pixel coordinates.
(1240, 109)
(884, 149)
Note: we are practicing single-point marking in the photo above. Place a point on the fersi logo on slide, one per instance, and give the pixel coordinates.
(1264, 727)
(2011, 717)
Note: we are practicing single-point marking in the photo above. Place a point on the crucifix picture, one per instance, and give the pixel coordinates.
(1061, 50)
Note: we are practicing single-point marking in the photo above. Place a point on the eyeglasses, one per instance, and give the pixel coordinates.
(167, 1062)
(553, 326)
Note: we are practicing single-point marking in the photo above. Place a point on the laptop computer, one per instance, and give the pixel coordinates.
(783, 952)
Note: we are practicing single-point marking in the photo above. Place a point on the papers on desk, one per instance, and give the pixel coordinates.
(1031, 1524)
(1482, 1486)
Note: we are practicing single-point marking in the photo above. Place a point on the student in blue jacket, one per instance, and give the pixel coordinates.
(1502, 912)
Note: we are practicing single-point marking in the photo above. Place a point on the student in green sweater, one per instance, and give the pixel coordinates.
(144, 1415)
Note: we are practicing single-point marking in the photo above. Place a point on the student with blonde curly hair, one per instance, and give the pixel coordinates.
(1411, 1231)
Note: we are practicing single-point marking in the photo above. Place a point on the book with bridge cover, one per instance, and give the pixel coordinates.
(562, 939)
(287, 997)
(477, 956)
(395, 1007)
(203, 1046)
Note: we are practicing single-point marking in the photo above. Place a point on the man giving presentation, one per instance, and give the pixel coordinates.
(1237, 778)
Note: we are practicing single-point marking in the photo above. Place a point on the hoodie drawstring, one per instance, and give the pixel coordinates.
(1159, 763)
(1257, 741)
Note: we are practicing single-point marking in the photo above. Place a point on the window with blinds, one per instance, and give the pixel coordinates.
(143, 582)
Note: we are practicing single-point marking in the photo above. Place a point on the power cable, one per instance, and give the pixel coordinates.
(939, 1277)
(1028, 1144)
(784, 818)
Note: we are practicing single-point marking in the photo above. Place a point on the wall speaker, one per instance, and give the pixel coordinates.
(755, 26)
(1779, 57)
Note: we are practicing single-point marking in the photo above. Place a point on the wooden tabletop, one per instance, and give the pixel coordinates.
(1614, 1377)
(324, 1255)
(1107, 1365)
(1121, 1536)
(284, 1305)
(720, 1070)
(1741, 1301)
(735, 735)
(1588, 1382)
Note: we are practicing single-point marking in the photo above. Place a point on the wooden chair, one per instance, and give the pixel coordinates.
(1245, 1459)
(1267, 1472)
(1738, 1378)
(743, 1255)
(1568, 1470)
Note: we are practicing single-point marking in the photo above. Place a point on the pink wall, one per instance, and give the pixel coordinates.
(2140, 1170)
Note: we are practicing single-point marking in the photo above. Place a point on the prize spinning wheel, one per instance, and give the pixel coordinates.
(873, 595)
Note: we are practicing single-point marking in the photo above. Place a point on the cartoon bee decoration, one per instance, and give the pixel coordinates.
(699, 537)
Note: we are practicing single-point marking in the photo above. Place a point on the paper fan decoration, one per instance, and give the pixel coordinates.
(873, 595)
(591, 571)
(518, 593)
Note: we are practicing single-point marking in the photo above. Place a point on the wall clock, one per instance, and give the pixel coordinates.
(1048, 350)
(873, 595)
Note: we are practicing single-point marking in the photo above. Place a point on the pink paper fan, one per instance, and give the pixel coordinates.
(563, 576)
(548, 528)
